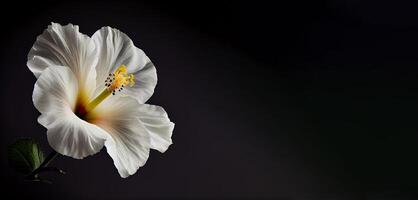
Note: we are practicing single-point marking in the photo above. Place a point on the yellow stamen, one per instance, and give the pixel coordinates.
(114, 82)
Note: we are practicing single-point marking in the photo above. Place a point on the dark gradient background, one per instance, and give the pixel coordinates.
(298, 100)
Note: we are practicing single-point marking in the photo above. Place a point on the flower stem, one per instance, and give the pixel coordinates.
(51, 156)
(34, 174)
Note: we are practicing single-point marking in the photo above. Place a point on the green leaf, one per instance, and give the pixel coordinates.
(25, 155)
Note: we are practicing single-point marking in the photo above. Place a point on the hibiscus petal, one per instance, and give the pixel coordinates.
(64, 46)
(158, 125)
(116, 48)
(135, 128)
(129, 142)
(55, 95)
(128, 147)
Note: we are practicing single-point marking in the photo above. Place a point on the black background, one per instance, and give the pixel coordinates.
(295, 100)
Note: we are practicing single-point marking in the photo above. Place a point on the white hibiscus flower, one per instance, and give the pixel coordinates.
(91, 93)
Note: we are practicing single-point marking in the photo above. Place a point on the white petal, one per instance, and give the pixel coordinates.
(128, 147)
(64, 46)
(55, 95)
(116, 48)
(158, 125)
(135, 128)
(129, 142)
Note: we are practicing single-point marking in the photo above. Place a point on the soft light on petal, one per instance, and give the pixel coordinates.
(135, 128)
(115, 49)
(129, 143)
(128, 147)
(55, 95)
(65, 46)
(158, 125)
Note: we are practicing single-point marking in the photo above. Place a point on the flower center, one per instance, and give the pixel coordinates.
(115, 82)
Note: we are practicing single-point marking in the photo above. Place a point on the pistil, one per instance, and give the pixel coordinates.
(115, 82)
